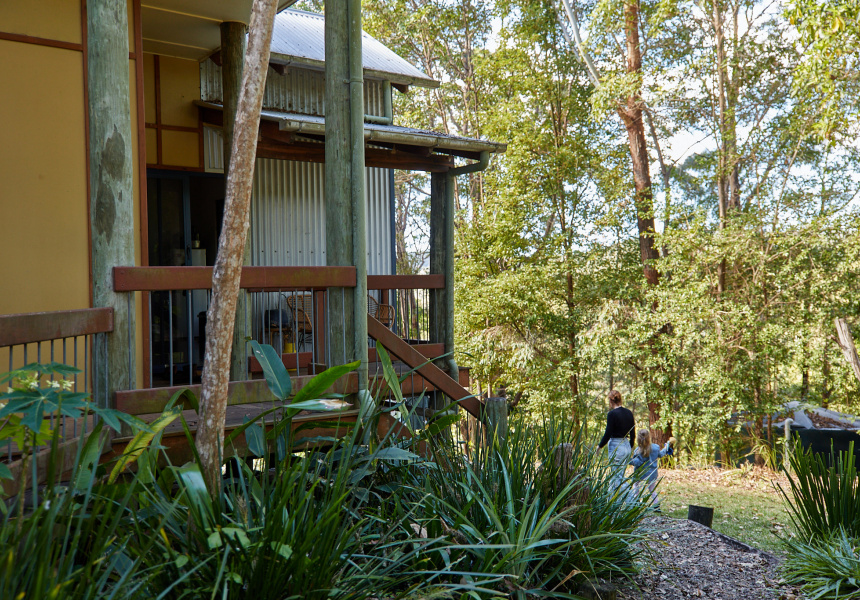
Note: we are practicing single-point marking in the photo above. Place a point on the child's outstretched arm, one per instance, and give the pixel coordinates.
(668, 449)
(637, 460)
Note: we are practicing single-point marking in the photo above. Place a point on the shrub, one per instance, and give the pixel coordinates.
(504, 512)
(823, 495)
(828, 567)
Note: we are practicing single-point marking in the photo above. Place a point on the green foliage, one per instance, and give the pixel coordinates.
(824, 495)
(70, 544)
(825, 568)
(521, 510)
(827, 82)
(29, 403)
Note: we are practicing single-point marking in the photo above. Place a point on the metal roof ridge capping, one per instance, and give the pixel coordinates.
(299, 37)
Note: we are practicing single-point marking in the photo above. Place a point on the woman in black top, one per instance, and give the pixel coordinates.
(620, 427)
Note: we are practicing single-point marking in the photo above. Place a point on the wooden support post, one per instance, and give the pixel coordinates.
(439, 316)
(233, 43)
(346, 242)
(111, 188)
(441, 301)
(496, 418)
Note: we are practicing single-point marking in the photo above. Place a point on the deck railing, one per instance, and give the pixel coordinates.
(414, 303)
(285, 306)
(288, 307)
(65, 337)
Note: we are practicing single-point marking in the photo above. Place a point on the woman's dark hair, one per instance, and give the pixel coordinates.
(615, 397)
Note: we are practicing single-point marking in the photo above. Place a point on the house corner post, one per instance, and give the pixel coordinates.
(233, 44)
(442, 263)
(344, 183)
(111, 201)
(357, 189)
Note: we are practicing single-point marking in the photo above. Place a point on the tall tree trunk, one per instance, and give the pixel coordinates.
(231, 246)
(632, 117)
(728, 170)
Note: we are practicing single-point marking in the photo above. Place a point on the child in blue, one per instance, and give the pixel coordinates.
(646, 458)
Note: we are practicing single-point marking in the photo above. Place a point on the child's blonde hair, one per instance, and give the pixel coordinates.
(643, 440)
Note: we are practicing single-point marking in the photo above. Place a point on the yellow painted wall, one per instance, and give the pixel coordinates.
(44, 221)
(50, 19)
(44, 256)
(180, 87)
(44, 252)
(180, 148)
(149, 88)
(179, 84)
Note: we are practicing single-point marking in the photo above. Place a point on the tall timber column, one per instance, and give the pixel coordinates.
(346, 242)
(442, 262)
(111, 187)
(233, 42)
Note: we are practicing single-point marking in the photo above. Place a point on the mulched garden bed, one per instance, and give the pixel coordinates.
(693, 561)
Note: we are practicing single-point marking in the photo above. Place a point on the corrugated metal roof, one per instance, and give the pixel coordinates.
(299, 37)
(395, 134)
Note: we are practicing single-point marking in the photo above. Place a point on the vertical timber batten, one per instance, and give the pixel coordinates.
(233, 43)
(111, 184)
(344, 182)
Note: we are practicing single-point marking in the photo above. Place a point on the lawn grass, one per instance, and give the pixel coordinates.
(746, 503)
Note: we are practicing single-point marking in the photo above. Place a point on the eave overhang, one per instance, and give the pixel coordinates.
(405, 147)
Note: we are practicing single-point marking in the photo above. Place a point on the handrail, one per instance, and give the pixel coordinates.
(154, 279)
(30, 328)
(406, 282)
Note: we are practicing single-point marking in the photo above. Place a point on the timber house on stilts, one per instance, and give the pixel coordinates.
(117, 114)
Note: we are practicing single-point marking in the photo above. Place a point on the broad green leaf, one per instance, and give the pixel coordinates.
(274, 370)
(197, 495)
(393, 453)
(441, 424)
(113, 417)
(140, 442)
(186, 395)
(90, 454)
(255, 439)
(284, 550)
(317, 386)
(293, 408)
(389, 374)
(241, 429)
(5, 473)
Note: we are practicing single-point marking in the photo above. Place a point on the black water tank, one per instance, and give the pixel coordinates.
(820, 441)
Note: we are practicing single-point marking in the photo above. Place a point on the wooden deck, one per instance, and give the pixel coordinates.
(324, 423)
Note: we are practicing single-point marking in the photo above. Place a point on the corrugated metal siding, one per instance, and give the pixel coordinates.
(288, 216)
(213, 150)
(298, 91)
(379, 240)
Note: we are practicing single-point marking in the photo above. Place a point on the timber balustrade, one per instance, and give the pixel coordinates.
(288, 308)
(65, 337)
(408, 305)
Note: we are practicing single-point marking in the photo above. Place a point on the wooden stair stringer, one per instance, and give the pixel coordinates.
(409, 355)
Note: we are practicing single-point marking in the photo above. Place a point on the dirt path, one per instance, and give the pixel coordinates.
(692, 561)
